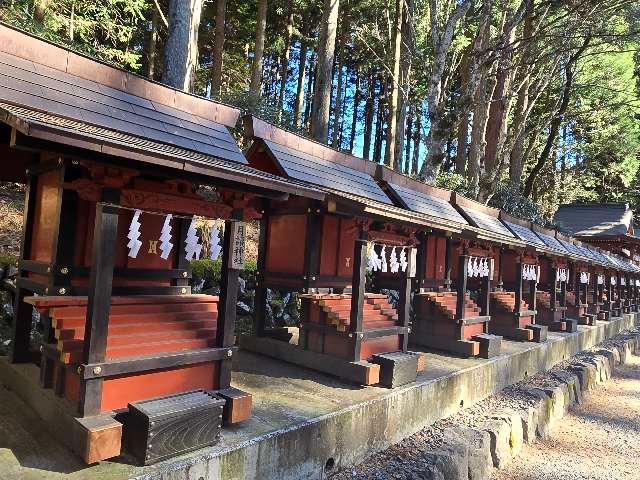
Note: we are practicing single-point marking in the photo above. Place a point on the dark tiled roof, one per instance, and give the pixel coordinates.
(587, 219)
(43, 125)
(524, 233)
(487, 222)
(552, 242)
(321, 172)
(423, 203)
(41, 88)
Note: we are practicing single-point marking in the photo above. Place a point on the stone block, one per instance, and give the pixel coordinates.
(490, 345)
(500, 435)
(573, 386)
(557, 397)
(451, 460)
(396, 368)
(543, 409)
(529, 417)
(539, 332)
(479, 450)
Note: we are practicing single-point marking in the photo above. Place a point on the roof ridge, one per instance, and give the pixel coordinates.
(24, 45)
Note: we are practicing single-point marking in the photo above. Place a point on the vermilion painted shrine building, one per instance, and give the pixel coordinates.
(117, 168)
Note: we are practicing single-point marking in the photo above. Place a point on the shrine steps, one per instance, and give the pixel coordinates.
(579, 312)
(512, 323)
(436, 326)
(326, 341)
(553, 318)
(139, 326)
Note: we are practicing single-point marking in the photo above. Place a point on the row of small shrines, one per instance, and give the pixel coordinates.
(124, 337)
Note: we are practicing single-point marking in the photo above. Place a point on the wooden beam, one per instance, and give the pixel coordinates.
(99, 302)
(463, 270)
(145, 363)
(357, 295)
(228, 294)
(23, 313)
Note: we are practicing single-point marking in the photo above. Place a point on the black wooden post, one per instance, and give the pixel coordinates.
(533, 300)
(105, 234)
(461, 287)
(357, 295)
(260, 298)
(312, 248)
(23, 312)
(563, 298)
(228, 294)
(181, 263)
(609, 286)
(404, 303)
(485, 294)
(447, 264)
(519, 271)
(501, 271)
(553, 285)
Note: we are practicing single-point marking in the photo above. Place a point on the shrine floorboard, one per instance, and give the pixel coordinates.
(304, 423)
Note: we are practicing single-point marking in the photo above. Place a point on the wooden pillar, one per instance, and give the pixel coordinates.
(404, 302)
(105, 235)
(358, 285)
(234, 237)
(563, 298)
(181, 263)
(312, 247)
(447, 263)
(23, 312)
(501, 271)
(553, 285)
(533, 288)
(461, 287)
(260, 299)
(519, 271)
(485, 294)
(600, 290)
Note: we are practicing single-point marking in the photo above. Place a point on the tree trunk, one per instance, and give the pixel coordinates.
(407, 134)
(337, 110)
(482, 89)
(310, 88)
(181, 49)
(302, 71)
(40, 10)
(441, 41)
(218, 47)
(497, 121)
(392, 114)
(417, 141)
(255, 86)
(368, 117)
(322, 89)
(406, 57)
(380, 116)
(356, 106)
(463, 124)
(284, 61)
(151, 47)
(557, 118)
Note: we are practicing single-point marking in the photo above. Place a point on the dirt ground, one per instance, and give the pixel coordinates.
(598, 440)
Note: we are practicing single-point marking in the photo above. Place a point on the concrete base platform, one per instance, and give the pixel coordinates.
(304, 423)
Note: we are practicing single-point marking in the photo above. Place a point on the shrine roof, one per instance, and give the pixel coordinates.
(418, 196)
(595, 219)
(482, 217)
(549, 239)
(313, 163)
(522, 230)
(55, 95)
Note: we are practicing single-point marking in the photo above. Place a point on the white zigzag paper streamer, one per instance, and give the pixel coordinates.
(403, 260)
(134, 235)
(165, 238)
(192, 245)
(214, 241)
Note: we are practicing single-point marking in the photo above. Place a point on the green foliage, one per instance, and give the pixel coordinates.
(209, 271)
(104, 29)
(509, 199)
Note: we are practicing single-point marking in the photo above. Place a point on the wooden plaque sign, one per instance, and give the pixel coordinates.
(238, 240)
(411, 268)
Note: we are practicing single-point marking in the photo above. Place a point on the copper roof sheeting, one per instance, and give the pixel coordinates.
(595, 219)
(49, 127)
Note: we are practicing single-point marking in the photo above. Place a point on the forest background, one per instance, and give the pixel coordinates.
(522, 104)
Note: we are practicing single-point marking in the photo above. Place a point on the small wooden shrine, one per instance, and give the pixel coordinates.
(117, 169)
(323, 250)
(552, 286)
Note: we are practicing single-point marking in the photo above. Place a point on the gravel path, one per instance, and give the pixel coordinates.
(598, 440)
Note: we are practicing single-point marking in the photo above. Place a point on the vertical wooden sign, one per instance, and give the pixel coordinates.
(238, 241)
